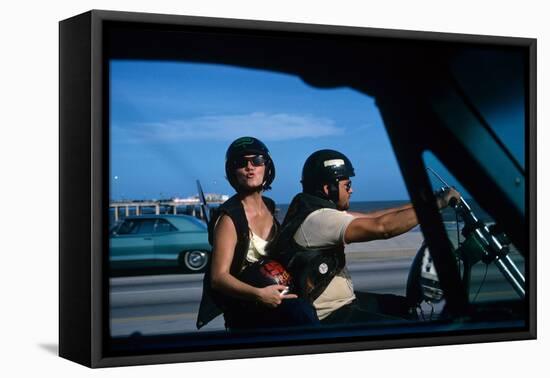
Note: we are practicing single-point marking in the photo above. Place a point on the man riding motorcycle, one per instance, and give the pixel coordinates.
(315, 231)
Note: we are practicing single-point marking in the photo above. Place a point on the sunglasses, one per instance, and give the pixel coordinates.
(348, 186)
(256, 161)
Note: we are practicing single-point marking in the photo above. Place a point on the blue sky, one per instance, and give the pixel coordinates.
(171, 123)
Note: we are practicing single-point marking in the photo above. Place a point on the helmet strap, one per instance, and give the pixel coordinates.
(268, 172)
(333, 192)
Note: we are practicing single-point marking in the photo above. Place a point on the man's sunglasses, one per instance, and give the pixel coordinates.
(348, 186)
(256, 161)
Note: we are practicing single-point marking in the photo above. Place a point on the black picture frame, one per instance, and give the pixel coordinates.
(85, 43)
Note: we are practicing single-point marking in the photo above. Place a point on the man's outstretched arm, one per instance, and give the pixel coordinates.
(383, 227)
(390, 222)
(379, 213)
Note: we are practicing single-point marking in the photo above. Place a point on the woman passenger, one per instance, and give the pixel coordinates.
(241, 233)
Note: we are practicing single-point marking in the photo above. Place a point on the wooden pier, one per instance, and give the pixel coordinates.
(171, 205)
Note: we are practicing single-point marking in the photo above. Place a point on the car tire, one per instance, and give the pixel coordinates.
(194, 261)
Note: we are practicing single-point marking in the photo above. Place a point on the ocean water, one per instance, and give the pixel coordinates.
(359, 206)
(447, 214)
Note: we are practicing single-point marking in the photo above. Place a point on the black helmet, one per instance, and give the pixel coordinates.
(248, 146)
(325, 167)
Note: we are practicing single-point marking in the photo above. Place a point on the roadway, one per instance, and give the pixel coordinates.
(168, 303)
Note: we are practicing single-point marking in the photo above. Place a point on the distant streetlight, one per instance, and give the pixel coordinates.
(114, 186)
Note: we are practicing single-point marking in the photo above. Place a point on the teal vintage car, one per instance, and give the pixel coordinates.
(156, 241)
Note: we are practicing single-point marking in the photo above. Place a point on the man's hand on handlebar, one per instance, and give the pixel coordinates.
(447, 196)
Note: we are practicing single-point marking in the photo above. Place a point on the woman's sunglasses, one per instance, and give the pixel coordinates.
(256, 161)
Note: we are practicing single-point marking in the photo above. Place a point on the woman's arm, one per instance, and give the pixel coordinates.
(225, 241)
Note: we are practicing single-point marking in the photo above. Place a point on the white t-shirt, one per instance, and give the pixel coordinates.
(324, 228)
(256, 248)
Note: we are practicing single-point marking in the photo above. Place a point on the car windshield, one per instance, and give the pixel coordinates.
(136, 226)
(164, 226)
(190, 224)
(311, 119)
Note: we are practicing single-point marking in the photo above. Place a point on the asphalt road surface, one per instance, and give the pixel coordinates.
(168, 303)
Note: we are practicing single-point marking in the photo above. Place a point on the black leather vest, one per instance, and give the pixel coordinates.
(213, 303)
(312, 269)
